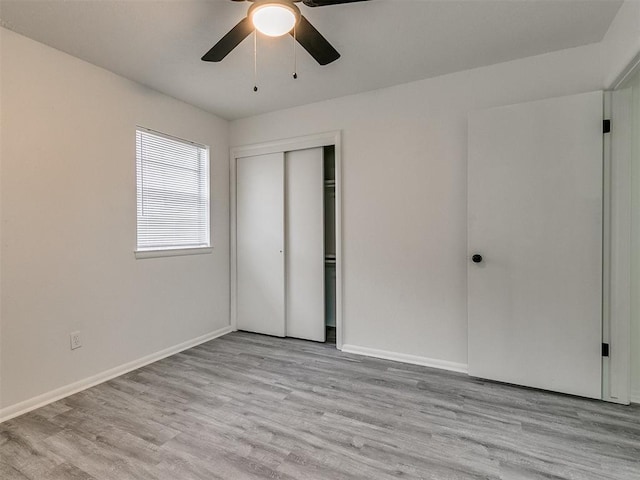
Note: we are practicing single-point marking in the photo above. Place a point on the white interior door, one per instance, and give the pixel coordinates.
(535, 217)
(305, 305)
(260, 244)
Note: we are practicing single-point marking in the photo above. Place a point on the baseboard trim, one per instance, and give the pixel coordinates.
(405, 358)
(634, 396)
(25, 406)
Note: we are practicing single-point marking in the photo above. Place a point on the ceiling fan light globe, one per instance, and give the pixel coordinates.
(273, 20)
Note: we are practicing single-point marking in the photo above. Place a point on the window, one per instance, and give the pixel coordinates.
(173, 194)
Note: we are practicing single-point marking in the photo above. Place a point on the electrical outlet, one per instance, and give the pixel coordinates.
(75, 340)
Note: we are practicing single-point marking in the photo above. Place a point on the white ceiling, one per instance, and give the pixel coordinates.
(382, 42)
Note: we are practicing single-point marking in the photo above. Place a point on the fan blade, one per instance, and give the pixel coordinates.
(325, 3)
(230, 41)
(314, 43)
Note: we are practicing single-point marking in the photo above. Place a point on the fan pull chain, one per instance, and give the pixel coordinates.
(255, 60)
(295, 63)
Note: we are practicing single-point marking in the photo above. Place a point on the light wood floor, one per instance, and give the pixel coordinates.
(246, 406)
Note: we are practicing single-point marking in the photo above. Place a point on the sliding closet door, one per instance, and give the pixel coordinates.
(260, 244)
(535, 244)
(305, 244)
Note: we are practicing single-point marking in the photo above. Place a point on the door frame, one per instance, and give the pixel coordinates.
(616, 379)
(287, 145)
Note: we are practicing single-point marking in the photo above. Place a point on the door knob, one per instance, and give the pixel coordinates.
(476, 258)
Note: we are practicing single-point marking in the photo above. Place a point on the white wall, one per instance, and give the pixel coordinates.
(635, 242)
(69, 224)
(67, 198)
(1, 143)
(621, 43)
(404, 167)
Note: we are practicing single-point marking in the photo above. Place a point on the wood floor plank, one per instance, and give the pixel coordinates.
(248, 406)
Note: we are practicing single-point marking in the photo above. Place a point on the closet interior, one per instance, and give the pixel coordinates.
(330, 242)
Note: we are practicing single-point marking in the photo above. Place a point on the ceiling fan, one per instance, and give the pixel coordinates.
(275, 18)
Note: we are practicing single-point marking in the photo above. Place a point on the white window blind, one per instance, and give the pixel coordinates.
(173, 192)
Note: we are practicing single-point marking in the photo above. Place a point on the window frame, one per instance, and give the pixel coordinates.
(173, 251)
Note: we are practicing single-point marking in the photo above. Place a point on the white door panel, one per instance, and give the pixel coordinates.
(305, 244)
(260, 244)
(535, 216)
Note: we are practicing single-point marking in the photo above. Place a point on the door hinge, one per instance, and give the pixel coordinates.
(606, 126)
(605, 349)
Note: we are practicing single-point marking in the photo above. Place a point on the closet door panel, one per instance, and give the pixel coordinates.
(260, 244)
(305, 303)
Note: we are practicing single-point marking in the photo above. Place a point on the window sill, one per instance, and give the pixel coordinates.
(172, 252)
